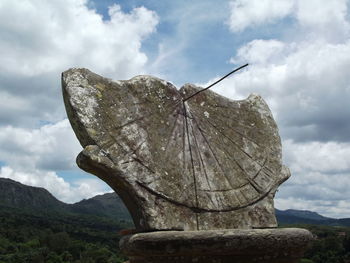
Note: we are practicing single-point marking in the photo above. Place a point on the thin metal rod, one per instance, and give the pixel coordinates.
(216, 82)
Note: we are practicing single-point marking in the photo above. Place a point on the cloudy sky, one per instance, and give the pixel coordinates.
(299, 56)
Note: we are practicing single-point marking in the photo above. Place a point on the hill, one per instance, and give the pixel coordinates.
(36, 227)
(16, 195)
(109, 205)
(291, 216)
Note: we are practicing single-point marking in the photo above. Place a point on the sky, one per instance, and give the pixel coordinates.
(299, 62)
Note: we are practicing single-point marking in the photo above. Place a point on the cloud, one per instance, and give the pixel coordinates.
(320, 178)
(64, 191)
(40, 39)
(298, 75)
(301, 70)
(298, 79)
(248, 13)
(328, 18)
(327, 158)
(303, 75)
(62, 34)
(260, 52)
(34, 156)
(50, 147)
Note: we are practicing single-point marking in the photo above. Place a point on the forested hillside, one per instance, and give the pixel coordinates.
(37, 228)
(56, 237)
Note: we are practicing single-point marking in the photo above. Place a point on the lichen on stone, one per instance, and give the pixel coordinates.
(205, 163)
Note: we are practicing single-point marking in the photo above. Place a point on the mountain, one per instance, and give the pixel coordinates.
(108, 205)
(16, 195)
(302, 214)
(292, 216)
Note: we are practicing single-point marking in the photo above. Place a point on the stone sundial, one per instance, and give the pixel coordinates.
(202, 163)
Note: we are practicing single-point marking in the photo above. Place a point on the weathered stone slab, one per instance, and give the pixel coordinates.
(219, 246)
(206, 163)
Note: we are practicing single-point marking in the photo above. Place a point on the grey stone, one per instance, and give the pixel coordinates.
(207, 163)
(219, 246)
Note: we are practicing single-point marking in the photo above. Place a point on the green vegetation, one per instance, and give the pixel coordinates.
(60, 237)
(30, 237)
(331, 244)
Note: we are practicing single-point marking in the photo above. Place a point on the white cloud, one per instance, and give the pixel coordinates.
(62, 34)
(260, 51)
(320, 178)
(248, 13)
(305, 82)
(329, 17)
(40, 39)
(326, 158)
(50, 147)
(64, 191)
(304, 76)
(326, 17)
(33, 157)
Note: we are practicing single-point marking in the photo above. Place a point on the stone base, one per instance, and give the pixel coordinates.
(218, 246)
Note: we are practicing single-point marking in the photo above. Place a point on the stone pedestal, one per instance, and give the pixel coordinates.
(217, 246)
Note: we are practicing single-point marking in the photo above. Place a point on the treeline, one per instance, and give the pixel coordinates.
(32, 237)
(56, 238)
(331, 244)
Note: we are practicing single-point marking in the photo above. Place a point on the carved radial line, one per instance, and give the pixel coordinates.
(174, 126)
(234, 119)
(183, 144)
(212, 151)
(245, 126)
(186, 129)
(237, 122)
(219, 163)
(193, 171)
(234, 143)
(127, 152)
(251, 182)
(145, 117)
(196, 209)
(113, 138)
(201, 159)
(199, 153)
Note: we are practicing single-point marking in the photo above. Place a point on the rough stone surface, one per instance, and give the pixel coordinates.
(220, 246)
(207, 163)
